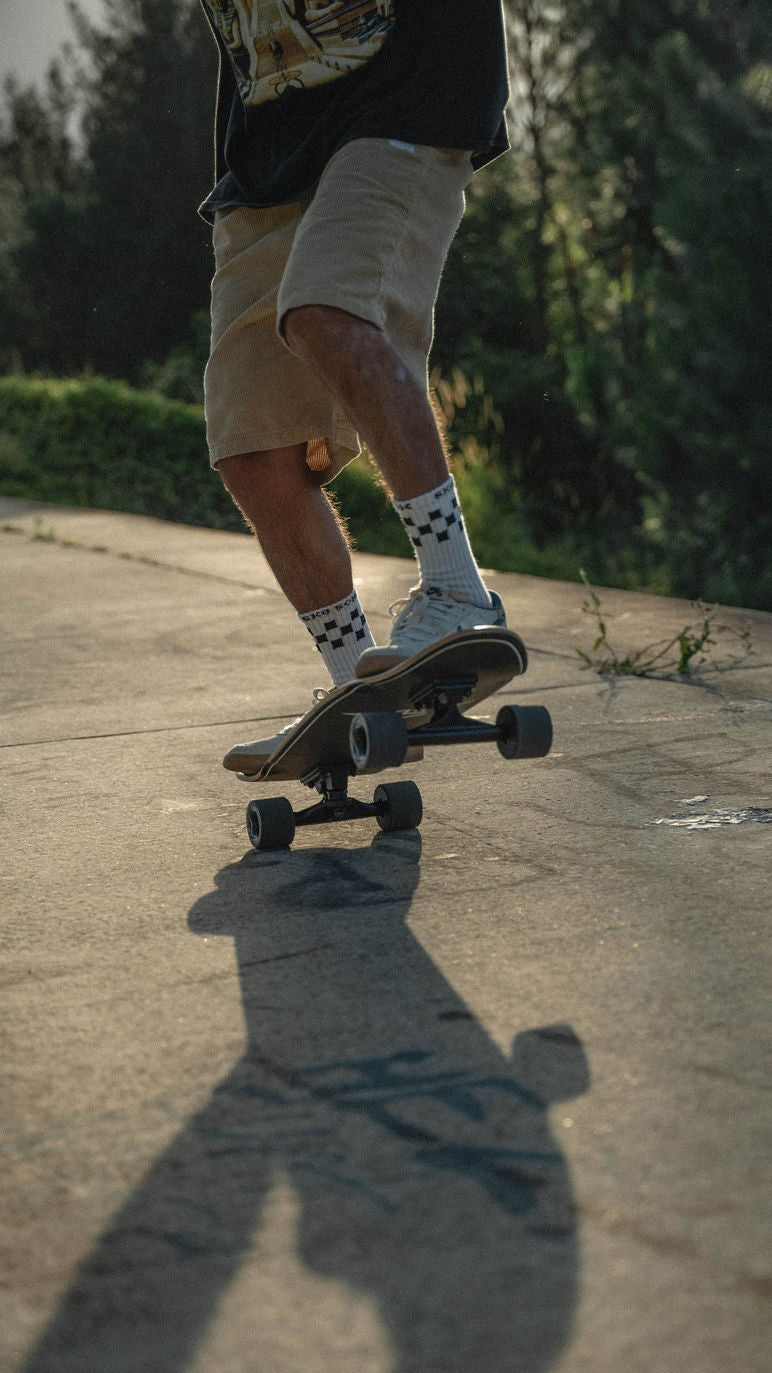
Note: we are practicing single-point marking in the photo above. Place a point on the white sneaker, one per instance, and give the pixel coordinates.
(248, 759)
(426, 615)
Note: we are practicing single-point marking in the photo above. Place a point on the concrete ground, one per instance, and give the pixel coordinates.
(488, 1100)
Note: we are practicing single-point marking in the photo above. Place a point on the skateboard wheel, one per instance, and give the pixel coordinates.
(270, 824)
(377, 741)
(400, 806)
(526, 731)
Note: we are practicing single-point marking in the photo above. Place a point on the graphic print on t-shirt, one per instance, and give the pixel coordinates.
(282, 45)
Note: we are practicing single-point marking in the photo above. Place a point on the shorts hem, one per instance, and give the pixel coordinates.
(344, 446)
(358, 308)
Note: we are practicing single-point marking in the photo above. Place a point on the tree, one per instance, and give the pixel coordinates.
(490, 324)
(670, 192)
(39, 163)
(113, 264)
(511, 312)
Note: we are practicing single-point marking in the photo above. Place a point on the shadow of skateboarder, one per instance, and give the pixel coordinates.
(426, 1174)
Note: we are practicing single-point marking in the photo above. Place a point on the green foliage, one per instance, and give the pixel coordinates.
(694, 641)
(98, 443)
(662, 199)
(39, 168)
(181, 374)
(105, 265)
(557, 495)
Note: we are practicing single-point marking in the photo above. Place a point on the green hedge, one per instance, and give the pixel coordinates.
(100, 444)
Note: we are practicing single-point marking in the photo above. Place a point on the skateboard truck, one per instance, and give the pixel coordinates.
(380, 740)
(336, 804)
(271, 824)
(438, 695)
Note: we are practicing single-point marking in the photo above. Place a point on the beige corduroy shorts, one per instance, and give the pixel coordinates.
(373, 241)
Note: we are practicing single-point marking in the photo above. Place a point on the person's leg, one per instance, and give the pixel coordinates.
(356, 306)
(393, 414)
(385, 402)
(273, 428)
(305, 545)
(296, 526)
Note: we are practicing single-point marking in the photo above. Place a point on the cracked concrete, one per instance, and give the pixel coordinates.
(494, 1097)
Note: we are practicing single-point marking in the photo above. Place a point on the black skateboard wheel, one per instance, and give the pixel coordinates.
(526, 731)
(400, 806)
(377, 741)
(271, 823)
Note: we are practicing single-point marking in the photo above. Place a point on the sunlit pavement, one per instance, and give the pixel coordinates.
(487, 1100)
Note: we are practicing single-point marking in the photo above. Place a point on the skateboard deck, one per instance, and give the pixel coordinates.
(372, 724)
(486, 658)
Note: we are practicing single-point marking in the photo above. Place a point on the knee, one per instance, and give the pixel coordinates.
(306, 329)
(248, 474)
(268, 474)
(238, 472)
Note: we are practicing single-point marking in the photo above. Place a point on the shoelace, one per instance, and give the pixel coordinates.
(318, 694)
(419, 608)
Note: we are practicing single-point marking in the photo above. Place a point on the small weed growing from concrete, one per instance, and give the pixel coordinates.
(47, 534)
(44, 533)
(678, 654)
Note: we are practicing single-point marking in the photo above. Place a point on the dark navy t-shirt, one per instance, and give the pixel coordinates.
(300, 78)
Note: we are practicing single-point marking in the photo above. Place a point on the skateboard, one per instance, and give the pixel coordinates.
(381, 722)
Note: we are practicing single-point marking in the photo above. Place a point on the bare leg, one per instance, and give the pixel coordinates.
(388, 407)
(295, 524)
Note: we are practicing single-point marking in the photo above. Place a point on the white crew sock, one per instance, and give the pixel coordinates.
(436, 529)
(340, 633)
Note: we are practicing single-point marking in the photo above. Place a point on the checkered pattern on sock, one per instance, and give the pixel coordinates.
(437, 523)
(436, 529)
(340, 633)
